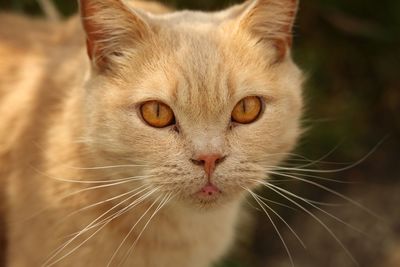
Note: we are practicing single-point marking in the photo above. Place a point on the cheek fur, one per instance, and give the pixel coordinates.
(166, 154)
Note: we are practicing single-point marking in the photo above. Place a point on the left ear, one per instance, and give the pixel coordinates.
(111, 27)
(271, 21)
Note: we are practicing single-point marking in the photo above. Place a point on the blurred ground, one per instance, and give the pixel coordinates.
(351, 53)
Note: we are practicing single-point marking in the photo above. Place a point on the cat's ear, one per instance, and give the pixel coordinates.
(110, 28)
(271, 21)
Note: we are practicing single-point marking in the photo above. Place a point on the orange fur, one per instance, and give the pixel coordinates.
(62, 114)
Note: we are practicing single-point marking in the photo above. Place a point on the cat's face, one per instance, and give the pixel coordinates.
(174, 103)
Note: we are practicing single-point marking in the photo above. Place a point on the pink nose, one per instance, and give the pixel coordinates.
(209, 162)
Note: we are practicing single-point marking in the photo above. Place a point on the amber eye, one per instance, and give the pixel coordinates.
(247, 110)
(157, 114)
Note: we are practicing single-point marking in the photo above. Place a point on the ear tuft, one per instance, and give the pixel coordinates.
(110, 26)
(272, 21)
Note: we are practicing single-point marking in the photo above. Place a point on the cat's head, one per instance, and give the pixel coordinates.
(205, 101)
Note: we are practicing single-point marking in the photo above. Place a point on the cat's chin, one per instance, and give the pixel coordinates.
(208, 199)
(210, 203)
(211, 196)
(205, 201)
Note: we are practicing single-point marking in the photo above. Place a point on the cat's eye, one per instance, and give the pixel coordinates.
(247, 110)
(157, 114)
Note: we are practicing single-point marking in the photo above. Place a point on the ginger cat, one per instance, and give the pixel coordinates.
(137, 147)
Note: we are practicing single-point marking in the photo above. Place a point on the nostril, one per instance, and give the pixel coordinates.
(220, 160)
(204, 160)
(197, 162)
(209, 162)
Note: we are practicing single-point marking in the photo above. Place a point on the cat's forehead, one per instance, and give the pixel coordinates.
(196, 87)
(202, 65)
(195, 62)
(188, 18)
(203, 89)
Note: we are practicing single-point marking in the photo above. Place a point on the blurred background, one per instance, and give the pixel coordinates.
(350, 51)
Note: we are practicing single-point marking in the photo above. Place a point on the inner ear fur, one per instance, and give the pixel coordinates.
(110, 26)
(271, 21)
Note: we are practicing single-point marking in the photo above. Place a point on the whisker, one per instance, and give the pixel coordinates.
(101, 187)
(124, 210)
(275, 227)
(319, 162)
(140, 177)
(77, 234)
(280, 181)
(279, 216)
(316, 177)
(318, 208)
(102, 202)
(131, 230)
(122, 181)
(321, 158)
(332, 192)
(80, 181)
(109, 167)
(49, 262)
(159, 207)
(290, 155)
(274, 202)
(358, 162)
(300, 158)
(320, 203)
(272, 187)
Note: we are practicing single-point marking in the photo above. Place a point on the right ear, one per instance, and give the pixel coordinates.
(110, 28)
(271, 21)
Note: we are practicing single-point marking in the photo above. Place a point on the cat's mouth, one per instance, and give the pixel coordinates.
(208, 193)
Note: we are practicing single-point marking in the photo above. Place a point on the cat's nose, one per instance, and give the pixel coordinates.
(209, 162)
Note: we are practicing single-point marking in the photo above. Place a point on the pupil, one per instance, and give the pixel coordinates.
(158, 110)
(244, 107)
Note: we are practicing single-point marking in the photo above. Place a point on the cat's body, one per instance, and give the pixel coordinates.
(43, 110)
(55, 126)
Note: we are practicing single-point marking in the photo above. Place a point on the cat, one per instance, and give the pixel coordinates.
(132, 135)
